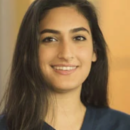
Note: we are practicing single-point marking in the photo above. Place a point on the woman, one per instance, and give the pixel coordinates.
(59, 72)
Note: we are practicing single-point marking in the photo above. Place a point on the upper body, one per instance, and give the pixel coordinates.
(95, 119)
(60, 65)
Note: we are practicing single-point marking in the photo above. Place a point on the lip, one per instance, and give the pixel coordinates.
(65, 72)
(66, 65)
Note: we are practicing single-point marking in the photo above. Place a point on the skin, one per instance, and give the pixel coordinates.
(66, 47)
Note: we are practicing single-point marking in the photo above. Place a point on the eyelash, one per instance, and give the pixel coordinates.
(81, 37)
(44, 40)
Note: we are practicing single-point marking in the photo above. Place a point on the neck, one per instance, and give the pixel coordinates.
(67, 106)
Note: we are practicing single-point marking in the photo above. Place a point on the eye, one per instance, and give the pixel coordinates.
(80, 38)
(49, 39)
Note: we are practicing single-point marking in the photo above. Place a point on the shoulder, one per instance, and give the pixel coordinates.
(3, 125)
(112, 119)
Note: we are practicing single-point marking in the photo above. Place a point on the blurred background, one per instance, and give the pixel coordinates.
(114, 20)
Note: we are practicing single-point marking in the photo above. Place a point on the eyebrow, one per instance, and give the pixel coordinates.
(58, 32)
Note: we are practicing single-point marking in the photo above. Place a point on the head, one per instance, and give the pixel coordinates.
(33, 75)
(65, 42)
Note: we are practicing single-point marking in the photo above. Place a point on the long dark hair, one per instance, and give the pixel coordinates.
(27, 95)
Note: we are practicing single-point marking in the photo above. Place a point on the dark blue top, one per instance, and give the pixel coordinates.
(95, 119)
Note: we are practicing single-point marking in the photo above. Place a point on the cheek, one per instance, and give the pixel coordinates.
(41, 56)
(85, 57)
(85, 54)
(46, 56)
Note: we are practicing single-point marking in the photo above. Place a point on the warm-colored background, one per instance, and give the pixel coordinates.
(114, 20)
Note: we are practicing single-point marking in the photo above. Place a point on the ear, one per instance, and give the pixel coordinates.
(94, 57)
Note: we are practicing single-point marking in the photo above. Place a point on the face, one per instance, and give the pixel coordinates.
(66, 49)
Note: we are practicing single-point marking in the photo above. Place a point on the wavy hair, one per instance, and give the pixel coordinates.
(27, 95)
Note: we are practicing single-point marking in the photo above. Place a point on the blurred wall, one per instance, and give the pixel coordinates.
(115, 23)
(11, 13)
(114, 19)
(7, 38)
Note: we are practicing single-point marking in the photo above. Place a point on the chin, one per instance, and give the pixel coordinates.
(63, 89)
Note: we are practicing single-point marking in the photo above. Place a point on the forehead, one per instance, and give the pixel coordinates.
(64, 19)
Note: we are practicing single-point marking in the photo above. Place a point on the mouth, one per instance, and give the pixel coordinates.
(63, 70)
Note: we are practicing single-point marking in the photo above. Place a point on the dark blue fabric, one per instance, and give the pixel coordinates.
(47, 127)
(105, 119)
(3, 125)
(95, 119)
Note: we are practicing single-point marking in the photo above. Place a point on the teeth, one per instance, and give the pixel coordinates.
(64, 68)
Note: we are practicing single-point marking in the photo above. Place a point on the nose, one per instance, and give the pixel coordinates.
(65, 51)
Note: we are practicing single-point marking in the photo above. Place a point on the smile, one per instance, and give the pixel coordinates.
(64, 70)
